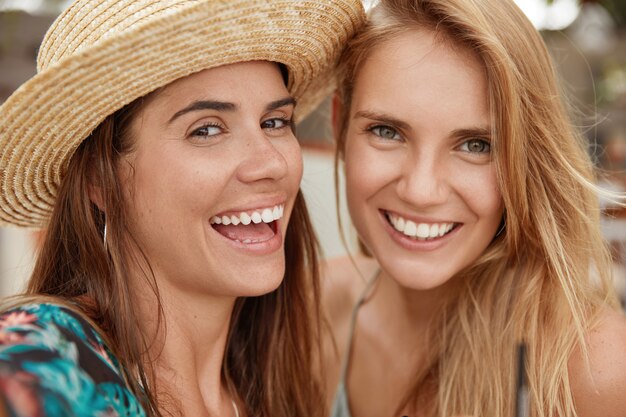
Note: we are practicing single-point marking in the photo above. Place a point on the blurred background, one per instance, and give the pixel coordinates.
(586, 37)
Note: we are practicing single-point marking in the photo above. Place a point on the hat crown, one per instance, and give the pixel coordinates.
(87, 22)
(100, 55)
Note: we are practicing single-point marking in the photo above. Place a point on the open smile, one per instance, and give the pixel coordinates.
(249, 227)
(421, 231)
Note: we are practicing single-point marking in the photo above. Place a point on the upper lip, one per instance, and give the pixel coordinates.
(253, 206)
(416, 219)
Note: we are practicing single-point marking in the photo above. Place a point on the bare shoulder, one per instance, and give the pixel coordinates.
(599, 388)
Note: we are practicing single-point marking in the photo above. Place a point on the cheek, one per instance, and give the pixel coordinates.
(494, 201)
(169, 187)
(366, 173)
(292, 154)
(357, 179)
(294, 161)
(368, 170)
(482, 193)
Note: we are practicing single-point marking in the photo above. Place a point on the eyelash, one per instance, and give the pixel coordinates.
(486, 143)
(375, 130)
(286, 123)
(197, 132)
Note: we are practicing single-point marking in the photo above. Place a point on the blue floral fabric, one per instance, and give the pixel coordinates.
(53, 363)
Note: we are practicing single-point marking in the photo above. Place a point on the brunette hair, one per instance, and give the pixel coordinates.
(270, 350)
(545, 279)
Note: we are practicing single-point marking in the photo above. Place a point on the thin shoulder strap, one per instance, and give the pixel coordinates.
(355, 312)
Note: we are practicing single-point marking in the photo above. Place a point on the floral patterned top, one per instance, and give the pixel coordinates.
(54, 363)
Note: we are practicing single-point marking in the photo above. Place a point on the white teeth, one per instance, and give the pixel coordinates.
(420, 231)
(410, 228)
(423, 230)
(265, 215)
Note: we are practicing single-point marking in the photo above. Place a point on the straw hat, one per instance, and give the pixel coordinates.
(103, 54)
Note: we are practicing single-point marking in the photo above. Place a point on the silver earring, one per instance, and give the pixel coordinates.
(105, 235)
(502, 227)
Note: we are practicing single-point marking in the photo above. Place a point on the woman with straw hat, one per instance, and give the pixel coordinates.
(156, 146)
(484, 287)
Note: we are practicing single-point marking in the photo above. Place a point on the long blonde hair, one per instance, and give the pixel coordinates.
(542, 281)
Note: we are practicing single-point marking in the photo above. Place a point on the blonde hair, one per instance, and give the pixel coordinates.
(545, 279)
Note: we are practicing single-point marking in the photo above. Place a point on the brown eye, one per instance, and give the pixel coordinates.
(207, 130)
(277, 123)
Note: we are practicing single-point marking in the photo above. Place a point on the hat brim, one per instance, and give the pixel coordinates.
(47, 118)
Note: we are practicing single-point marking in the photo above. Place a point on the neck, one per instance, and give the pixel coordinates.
(404, 313)
(393, 327)
(413, 307)
(186, 347)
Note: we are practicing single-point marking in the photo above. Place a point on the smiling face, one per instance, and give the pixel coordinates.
(421, 183)
(212, 178)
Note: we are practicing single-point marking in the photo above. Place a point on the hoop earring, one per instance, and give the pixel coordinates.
(502, 227)
(105, 235)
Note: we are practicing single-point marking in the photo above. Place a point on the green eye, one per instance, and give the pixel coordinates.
(476, 146)
(385, 132)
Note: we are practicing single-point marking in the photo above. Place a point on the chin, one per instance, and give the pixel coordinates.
(418, 277)
(421, 283)
(264, 282)
(263, 290)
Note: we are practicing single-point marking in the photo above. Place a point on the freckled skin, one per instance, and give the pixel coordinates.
(181, 179)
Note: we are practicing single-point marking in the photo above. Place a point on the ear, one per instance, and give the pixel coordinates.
(96, 196)
(335, 113)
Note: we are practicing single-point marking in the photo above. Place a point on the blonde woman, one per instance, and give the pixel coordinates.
(474, 201)
(178, 273)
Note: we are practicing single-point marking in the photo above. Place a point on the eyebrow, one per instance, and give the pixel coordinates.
(390, 120)
(476, 131)
(287, 101)
(228, 107)
(382, 118)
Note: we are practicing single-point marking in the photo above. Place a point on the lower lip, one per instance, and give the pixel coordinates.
(414, 244)
(257, 248)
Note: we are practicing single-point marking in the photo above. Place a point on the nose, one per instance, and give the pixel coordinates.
(262, 159)
(423, 180)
